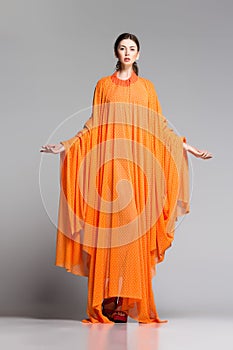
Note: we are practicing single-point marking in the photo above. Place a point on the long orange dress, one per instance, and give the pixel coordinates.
(124, 182)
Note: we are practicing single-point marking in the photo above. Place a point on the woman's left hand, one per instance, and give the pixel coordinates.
(197, 153)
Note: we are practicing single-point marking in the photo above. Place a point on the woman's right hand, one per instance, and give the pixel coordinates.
(52, 148)
(196, 152)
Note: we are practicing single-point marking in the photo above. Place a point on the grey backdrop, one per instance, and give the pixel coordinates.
(52, 54)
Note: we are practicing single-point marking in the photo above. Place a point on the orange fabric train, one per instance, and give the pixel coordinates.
(124, 181)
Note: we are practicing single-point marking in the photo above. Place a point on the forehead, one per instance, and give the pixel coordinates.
(127, 42)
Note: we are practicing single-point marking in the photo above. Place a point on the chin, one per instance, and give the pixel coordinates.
(127, 63)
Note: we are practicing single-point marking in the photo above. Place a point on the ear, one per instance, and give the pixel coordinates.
(138, 55)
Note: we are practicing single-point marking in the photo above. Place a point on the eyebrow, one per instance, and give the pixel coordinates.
(130, 46)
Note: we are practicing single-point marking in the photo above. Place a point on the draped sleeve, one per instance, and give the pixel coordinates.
(124, 182)
(174, 162)
(74, 185)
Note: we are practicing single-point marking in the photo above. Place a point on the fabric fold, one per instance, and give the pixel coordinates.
(123, 184)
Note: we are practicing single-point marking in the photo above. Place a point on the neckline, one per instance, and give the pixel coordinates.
(124, 82)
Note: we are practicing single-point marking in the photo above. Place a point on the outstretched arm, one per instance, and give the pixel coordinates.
(196, 152)
(52, 148)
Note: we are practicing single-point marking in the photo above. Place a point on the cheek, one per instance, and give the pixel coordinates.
(120, 54)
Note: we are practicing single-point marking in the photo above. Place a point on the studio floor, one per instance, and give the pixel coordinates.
(179, 333)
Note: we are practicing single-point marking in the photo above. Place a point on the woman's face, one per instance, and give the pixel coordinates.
(127, 52)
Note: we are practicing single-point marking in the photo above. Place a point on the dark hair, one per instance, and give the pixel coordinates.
(117, 42)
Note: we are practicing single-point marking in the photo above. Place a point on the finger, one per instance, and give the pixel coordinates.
(207, 156)
(204, 155)
(200, 154)
(49, 146)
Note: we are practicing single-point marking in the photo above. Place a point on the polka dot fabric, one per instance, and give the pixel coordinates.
(124, 181)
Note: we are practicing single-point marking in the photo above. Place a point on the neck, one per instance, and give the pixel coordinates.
(125, 72)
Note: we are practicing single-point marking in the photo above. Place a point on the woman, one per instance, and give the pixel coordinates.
(124, 182)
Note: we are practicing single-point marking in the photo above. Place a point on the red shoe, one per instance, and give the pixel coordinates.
(108, 312)
(119, 316)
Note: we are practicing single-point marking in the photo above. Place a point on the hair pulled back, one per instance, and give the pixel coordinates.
(117, 42)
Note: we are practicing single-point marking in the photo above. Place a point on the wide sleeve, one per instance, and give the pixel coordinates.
(173, 161)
